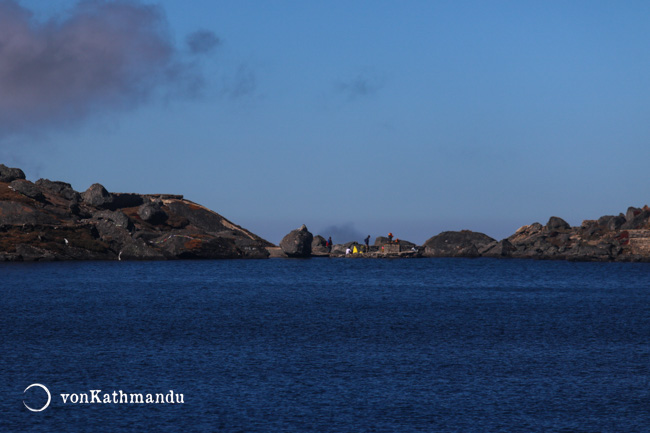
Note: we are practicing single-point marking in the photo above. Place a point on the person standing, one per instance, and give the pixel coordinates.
(367, 241)
(390, 238)
(329, 245)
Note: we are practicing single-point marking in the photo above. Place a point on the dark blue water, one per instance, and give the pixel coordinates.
(329, 345)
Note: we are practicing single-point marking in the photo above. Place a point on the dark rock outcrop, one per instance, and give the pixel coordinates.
(50, 221)
(97, 196)
(636, 220)
(27, 189)
(611, 222)
(556, 223)
(30, 253)
(115, 218)
(199, 216)
(62, 189)
(318, 247)
(464, 243)
(137, 249)
(297, 244)
(609, 238)
(588, 251)
(186, 246)
(8, 174)
(615, 223)
(14, 212)
(498, 249)
(121, 200)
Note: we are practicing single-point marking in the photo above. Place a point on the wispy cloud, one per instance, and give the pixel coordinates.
(359, 86)
(100, 56)
(242, 83)
(202, 41)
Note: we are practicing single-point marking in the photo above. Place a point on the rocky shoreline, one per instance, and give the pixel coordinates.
(48, 220)
(610, 238)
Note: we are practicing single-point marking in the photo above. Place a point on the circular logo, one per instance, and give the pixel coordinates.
(49, 397)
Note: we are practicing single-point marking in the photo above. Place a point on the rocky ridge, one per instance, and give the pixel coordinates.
(623, 237)
(49, 220)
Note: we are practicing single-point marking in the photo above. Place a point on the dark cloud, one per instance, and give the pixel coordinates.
(342, 233)
(359, 86)
(202, 42)
(100, 56)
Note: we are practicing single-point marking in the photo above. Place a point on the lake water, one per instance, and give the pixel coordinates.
(331, 345)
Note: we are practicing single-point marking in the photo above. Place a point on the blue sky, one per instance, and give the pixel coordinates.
(364, 117)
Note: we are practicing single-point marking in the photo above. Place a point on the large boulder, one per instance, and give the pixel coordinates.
(318, 241)
(111, 233)
(605, 219)
(8, 174)
(297, 243)
(611, 222)
(639, 219)
(616, 223)
(152, 212)
(117, 218)
(464, 243)
(318, 247)
(97, 196)
(61, 189)
(631, 213)
(556, 223)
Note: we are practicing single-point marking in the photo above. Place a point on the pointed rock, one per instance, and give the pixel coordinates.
(97, 196)
(297, 243)
(557, 223)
